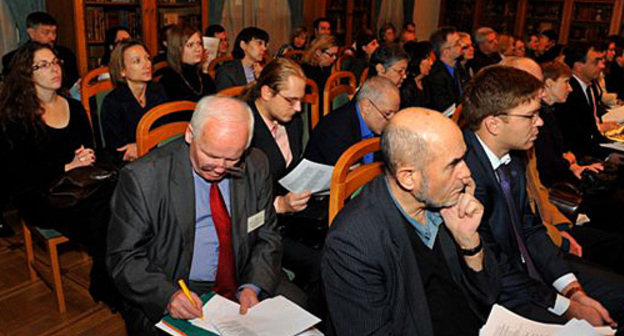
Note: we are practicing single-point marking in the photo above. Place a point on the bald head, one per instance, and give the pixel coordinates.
(524, 63)
(414, 135)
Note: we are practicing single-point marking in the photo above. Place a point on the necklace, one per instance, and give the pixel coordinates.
(201, 83)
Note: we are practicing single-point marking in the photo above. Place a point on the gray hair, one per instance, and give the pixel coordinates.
(399, 146)
(481, 34)
(376, 88)
(221, 108)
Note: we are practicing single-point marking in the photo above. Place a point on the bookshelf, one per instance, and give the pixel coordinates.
(83, 23)
(499, 15)
(348, 17)
(544, 15)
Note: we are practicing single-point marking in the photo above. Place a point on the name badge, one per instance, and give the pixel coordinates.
(255, 221)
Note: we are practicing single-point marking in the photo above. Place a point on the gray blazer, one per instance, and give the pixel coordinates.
(152, 228)
(230, 74)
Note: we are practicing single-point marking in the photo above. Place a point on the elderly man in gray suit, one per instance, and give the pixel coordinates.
(198, 209)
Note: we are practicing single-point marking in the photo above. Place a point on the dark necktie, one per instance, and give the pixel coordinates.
(505, 182)
(225, 283)
(592, 104)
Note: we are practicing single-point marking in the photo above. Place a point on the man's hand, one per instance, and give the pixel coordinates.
(587, 301)
(247, 299)
(181, 308)
(292, 202)
(575, 247)
(583, 312)
(607, 126)
(464, 217)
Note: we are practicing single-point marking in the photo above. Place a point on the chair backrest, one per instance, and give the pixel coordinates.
(345, 181)
(212, 67)
(334, 87)
(295, 55)
(157, 67)
(90, 86)
(147, 138)
(364, 76)
(457, 116)
(312, 97)
(234, 91)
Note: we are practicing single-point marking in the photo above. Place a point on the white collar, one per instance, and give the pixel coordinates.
(494, 160)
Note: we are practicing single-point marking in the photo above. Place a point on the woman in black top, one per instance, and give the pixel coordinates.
(113, 37)
(43, 135)
(133, 96)
(184, 78)
(365, 46)
(317, 62)
(413, 92)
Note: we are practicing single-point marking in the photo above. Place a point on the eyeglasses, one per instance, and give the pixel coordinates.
(234, 171)
(47, 65)
(533, 117)
(402, 71)
(290, 100)
(386, 115)
(331, 55)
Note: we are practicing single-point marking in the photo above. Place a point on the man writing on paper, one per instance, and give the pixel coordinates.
(198, 209)
(404, 257)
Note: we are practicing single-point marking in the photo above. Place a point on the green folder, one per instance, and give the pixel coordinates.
(187, 328)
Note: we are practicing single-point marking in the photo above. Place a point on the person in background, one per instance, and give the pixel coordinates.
(322, 26)
(387, 34)
(444, 81)
(298, 41)
(44, 135)
(112, 37)
(249, 51)
(487, 48)
(547, 49)
(389, 61)
(163, 35)
(519, 48)
(318, 61)
(614, 76)
(134, 95)
(408, 33)
(184, 78)
(365, 46)
(41, 27)
(506, 45)
(463, 62)
(531, 46)
(218, 31)
(413, 92)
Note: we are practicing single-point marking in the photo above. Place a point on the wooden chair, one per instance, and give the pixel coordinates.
(312, 97)
(212, 67)
(92, 88)
(334, 87)
(234, 91)
(364, 76)
(458, 118)
(157, 67)
(148, 138)
(52, 240)
(345, 181)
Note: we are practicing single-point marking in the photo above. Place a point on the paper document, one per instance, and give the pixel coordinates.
(619, 146)
(308, 175)
(503, 322)
(450, 110)
(276, 316)
(211, 45)
(615, 114)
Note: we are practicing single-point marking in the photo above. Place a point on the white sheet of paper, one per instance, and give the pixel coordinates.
(615, 114)
(308, 175)
(276, 316)
(503, 322)
(450, 110)
(619, 146)
(211, 45)
(162, 326)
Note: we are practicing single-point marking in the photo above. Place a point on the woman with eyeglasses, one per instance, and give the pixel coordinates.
(463, 62)
(413, 92)
(134, 94)
(389, 61)
(44, 134)
(184, 78)
(317, 62)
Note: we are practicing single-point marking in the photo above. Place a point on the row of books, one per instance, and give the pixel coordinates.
(98, 21)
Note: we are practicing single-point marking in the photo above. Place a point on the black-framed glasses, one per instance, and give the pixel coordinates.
(331, 55)
(292, 101)
(235, 170)
(386, 115)
(532, 117)
(47, 65)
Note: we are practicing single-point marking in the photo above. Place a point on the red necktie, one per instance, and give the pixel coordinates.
(225, 283)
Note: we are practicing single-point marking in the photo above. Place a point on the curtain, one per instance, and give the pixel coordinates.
(8, 30)
(216, 11)
(391, 11)
(270, 15)
(296, 13)
(20, 10)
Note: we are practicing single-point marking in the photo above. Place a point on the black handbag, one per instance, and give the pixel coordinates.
(596, 183)
(567, 198)
(79, 184)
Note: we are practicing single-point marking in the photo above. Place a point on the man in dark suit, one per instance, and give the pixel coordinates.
(486, 52)
(579, 118)
(41, 27)
(404, 256)
(443, 82)
(249, 48)
(375, 104)
(199, 210)
(501, 107)
(547, 48)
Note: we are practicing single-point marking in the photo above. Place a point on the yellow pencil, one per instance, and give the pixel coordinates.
(188, 295)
